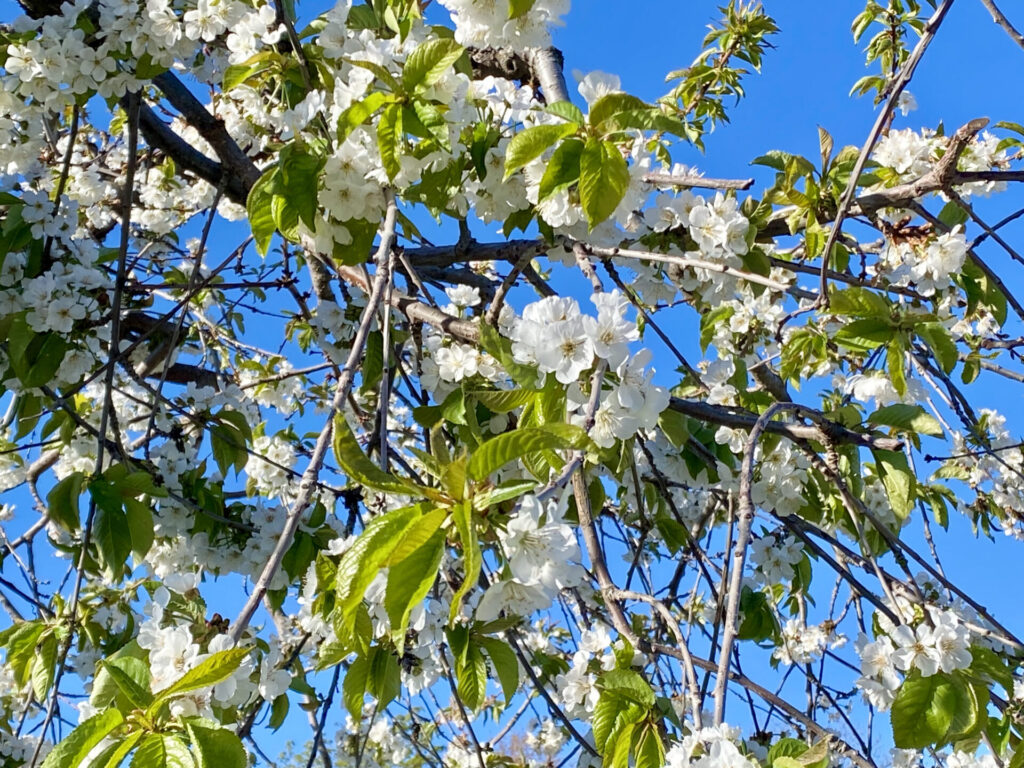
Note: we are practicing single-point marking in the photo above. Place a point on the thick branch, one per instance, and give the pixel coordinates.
(942, 176)
(211, 128)
(500, 62)
(161, 136)
(824, 431)
(537, 66)
(546, 64)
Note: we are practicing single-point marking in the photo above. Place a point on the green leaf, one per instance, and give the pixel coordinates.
(237, 74)
(906, 417)
(825, 145)
(373, 362)
(895, 363)
(505, 663)
(34, 357)
(774, 158)
(495, 453)
(531, 143)
(618, 744)
(611, 104)
(676, 427)
(379, 71)
(650, 752)
(358, 467)
(472, 678)
(510, 489)
(361, 561)
(359, 112)
(653, 119)
(567, 111)
(133, 663)
(409, 581)
(43, 666)
(988, 664)
(462, 514)
(758, 618)
(159, 750)
(430, 118)
(72, 750)
(859, 302)
(785, 747)
(384, 682)
(952, 214)
(62, 502)
(278, 711)
(428, 63)
(503, 400)
(923, 711)
(626, 684)
(865, 334)
(604, 177)
(46, 355)
(897, 479)
(389, 139)
(353, 687)
(140, 526)
(563, 169)
(815, 756)
(603, 720)
(497, 345)
(299, 179)
(258, 207)
(113, 538)
(20, 643)
(416, 535)
(214, 669)
(519, 8)
(711, 321)
(940, 342)
(120, 750)
(132, 694)
(215, 746)
(970, 703)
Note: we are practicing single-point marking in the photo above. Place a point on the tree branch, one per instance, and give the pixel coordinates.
(696, 182)
(344, 386)
(1000, 18)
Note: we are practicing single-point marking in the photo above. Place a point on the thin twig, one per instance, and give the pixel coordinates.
(745, 518)
(696, 182)
(1000, 18)
(127, 194)
(900, 83)
(344, 386)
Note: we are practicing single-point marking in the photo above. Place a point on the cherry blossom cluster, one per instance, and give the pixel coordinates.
(491, 24)
(543, 559)
(939, 642)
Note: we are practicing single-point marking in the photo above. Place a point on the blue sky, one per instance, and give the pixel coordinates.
(805, 80)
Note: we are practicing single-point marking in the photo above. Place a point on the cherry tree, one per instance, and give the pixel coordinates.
(660, 475)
